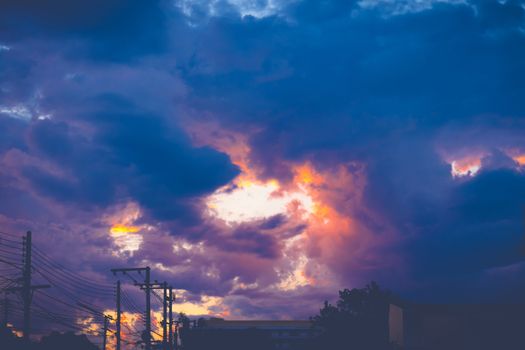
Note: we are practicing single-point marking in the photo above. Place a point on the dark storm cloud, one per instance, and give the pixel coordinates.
(252, 242)
(113, 30)
(165, 167)
(331, 82)
(326, 81)
(350, 84)
(136, 152)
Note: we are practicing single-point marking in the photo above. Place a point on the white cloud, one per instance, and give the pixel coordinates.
(22, 112)
(400, 7)
(215, 8)
(27, 110)
(258, 9)
(18, 112)
(254, 201)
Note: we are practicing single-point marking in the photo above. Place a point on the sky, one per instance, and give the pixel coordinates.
(261, 155)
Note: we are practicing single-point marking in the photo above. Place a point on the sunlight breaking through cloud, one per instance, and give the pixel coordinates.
(465, 167)
(248, 201)
(127, 236)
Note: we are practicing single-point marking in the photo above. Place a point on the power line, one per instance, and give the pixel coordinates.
(73, 298)
(11, 253)
(147, 280)
(11, 244)
(131, 305)
(74, 295)
(60, 301)
(65, 289)
(10, 234)
(11, 264)
(63, 282)
(69, 273)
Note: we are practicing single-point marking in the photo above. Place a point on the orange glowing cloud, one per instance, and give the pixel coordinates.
(333, 234)
(248, 198)
(254, 200)
(518, 156)
(131, 323)
(306, 174)
(234, 144)
(323, 194)
(122, 229)
(470, 164)
(126, 235)
(466, 166)
(520, 159)
(321, 201)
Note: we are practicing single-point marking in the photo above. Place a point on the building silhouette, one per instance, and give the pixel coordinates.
(248, 334)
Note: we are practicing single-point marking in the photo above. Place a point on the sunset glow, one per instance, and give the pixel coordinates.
(305, 200)
(468, 166)
(247, 198)
(297, 277)
(123, 229)
(249, 201)
(207, 306)
(520, 159)
(126, 239)
(256, 157)
(125, 234)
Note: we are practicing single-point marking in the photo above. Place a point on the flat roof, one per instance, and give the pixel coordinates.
(260, 324)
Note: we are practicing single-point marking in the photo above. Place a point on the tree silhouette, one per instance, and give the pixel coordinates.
(63, 341)
(359, 320)
(184, 324)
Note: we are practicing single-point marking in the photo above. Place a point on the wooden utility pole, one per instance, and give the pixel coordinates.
(106, 322)
(164, 287)
(27, 289)
(147, 280)
(165, 317)
(118, 316)
(105, 335)
(170, 337)
(147, 287)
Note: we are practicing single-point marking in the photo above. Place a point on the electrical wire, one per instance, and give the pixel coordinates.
(64, 283)
(63, 279)
(10, 234)
(10, 264)
(73, 275)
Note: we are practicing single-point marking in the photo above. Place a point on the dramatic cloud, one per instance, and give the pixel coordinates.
(262, 154)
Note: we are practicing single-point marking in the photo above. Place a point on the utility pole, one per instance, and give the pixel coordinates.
(170, 338)
(147, 280)
(118, 315)
(147, 288)
(106, 321)
(105, 335)
(27, 289)
(165, 317)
